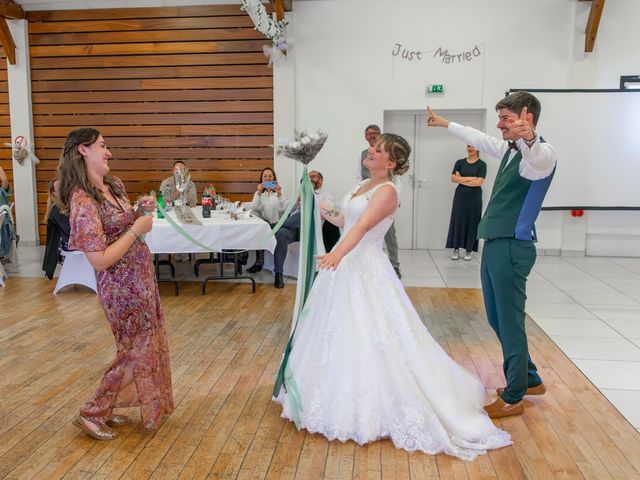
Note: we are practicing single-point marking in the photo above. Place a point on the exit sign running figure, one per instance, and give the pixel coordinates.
(435, 88)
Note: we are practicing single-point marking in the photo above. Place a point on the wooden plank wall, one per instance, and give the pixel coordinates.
(161, 84)
(5, 124)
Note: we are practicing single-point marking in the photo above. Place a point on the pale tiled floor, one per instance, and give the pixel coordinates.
(589, 306)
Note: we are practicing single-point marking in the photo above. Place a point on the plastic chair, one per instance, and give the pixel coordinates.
(76, 270)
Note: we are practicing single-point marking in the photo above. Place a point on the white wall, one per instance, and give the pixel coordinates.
(345, 76)
(24, 175)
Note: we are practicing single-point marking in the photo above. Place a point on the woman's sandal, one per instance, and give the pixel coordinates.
(102, 433)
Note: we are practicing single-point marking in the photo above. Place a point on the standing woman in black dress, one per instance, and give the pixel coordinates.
(469, 173)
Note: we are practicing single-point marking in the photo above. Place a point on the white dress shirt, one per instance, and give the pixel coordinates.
(268, 205)
(322, 195)
(538, 161)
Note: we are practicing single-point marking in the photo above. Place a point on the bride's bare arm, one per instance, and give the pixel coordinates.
(382, 205)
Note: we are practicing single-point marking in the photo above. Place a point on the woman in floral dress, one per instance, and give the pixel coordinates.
(108, 230)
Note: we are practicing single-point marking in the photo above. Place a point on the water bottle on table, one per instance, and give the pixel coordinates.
(160, 201)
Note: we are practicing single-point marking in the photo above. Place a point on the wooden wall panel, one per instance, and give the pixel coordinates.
(161, 84)
(5, 126)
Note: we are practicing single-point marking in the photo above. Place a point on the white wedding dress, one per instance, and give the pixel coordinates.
(364, 367)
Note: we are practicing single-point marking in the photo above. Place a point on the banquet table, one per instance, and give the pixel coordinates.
(220, 233)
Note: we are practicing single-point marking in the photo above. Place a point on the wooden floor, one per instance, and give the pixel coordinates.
(225, 348)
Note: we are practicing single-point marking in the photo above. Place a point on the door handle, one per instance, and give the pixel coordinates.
(422, 183)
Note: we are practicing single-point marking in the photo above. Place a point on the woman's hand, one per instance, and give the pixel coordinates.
(260, 188)
(278, 190)
(330, 260)
(142, 225)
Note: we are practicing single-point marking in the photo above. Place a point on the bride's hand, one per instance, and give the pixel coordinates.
(328, 261)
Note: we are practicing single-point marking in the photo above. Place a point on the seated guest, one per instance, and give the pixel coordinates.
(268, 204)
(169, 185)
(58, 230)
(8, 236)
(330, 233)
(168, 189)
(289, 232)
(5, 188)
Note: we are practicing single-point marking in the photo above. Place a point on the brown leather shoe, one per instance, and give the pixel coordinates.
(500, 408)
(118, 420)
(537, 390)
(100, 432)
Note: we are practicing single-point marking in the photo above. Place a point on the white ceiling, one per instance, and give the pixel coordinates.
(87, 4)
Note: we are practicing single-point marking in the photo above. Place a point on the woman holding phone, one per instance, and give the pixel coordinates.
(268, 204)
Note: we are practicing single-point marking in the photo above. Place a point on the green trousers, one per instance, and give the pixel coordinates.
(505, 266)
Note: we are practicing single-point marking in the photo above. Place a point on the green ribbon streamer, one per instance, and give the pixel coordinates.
(182, 231)
(306, 275)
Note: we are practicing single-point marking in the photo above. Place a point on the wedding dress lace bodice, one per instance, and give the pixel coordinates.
(353, 206)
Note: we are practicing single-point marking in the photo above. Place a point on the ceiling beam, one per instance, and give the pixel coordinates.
(592, 25)
(6, 40)
(9, 9)
(278, 7)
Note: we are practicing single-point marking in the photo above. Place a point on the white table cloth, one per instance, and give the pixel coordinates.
(216, 233)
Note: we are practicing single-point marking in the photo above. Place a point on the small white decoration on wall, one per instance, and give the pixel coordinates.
(20, 151)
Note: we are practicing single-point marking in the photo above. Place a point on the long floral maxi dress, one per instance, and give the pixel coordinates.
(140, 375)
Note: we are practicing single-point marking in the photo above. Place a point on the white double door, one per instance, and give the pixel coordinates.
(427, 192)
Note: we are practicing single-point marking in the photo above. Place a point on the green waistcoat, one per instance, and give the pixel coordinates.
(515, 203)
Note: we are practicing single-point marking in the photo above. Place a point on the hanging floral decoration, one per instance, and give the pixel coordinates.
(274, 30)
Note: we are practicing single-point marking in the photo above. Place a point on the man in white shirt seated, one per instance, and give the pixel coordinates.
(330, 233)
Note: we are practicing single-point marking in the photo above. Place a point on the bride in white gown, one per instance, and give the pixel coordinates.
(363, 365)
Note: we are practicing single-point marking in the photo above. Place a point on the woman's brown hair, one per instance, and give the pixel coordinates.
(72, 170)
(275, 177)
(398, 149)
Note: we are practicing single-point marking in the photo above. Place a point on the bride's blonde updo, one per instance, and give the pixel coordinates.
(398, 149)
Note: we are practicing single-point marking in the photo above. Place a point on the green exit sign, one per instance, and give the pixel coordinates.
(435, 88)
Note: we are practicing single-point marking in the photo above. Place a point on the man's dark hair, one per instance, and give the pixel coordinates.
(373, 127)
(177, 162)
(516, 101)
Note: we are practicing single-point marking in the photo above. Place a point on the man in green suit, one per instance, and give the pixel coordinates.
(507, 227)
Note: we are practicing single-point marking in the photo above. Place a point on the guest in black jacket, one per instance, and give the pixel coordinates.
(57, 231)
